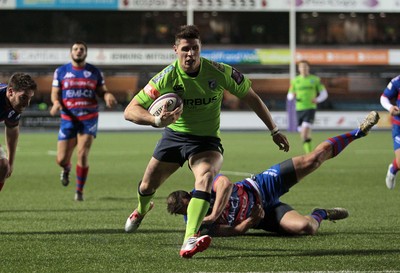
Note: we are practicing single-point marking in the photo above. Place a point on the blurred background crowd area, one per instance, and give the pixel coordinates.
(351, 87)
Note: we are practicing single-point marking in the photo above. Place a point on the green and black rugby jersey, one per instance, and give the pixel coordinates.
(202, 95)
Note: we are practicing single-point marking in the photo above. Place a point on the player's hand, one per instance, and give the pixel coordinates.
(110, 100)
(167, 117)
(281, 141)
(55, 108)
(257, 214)
(394, 110)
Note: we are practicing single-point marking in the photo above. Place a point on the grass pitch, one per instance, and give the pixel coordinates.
(43, 230)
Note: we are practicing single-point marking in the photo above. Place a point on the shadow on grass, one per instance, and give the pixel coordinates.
(91, 231)
(271, 252)
(57, 210)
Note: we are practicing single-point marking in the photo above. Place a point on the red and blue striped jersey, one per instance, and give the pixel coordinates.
(78, 90)
(392, 91)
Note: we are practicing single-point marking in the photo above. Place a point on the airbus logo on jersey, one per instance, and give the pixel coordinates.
(192, 103)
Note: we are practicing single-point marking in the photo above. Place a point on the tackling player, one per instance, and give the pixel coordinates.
(74, 93)
(14, 98)
(192, 134)
(308, 91)
(254, 202)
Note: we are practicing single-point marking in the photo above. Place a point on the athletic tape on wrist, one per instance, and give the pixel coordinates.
(157, 121)
(275, 131)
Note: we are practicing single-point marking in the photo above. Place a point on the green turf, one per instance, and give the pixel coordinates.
(43, 230)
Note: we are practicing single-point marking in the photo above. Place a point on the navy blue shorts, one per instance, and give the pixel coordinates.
(273, 183)
(305, 116)
(272, 218)
(70, 129)
(177, 147)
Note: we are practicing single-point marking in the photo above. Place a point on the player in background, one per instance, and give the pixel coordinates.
(308, 91)
(14, 98)
(192, 134)
(391, 93)
(76, 86)
(254, 202)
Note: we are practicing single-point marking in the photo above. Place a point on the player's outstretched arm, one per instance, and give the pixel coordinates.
(223, 190)
(262, 111)
(12, 134)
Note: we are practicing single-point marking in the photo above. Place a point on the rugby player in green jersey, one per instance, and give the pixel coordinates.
(308, 91)
(191, 131)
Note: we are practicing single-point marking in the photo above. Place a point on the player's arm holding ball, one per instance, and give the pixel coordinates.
(137, 113)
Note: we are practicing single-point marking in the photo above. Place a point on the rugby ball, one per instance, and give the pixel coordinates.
(172, 100)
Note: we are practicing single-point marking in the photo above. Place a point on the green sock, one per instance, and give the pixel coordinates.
(196, 211)
(307, 146)
(144, 202)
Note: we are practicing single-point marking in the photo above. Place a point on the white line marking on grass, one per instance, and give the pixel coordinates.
(237, 173)
(52, 152)
(369, 151)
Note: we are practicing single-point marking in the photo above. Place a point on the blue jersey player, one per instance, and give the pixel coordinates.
(14, 98)
(391, 93)
(76, 86)
(254, 202)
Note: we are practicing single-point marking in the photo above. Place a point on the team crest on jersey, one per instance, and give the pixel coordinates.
(237, 76)
(212, 84)
(87, 74)
(219, 66)
(151, 91)
(69, 75)
(11, 113)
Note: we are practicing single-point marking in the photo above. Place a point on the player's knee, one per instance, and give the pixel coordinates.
(61, 162)
(306, 227)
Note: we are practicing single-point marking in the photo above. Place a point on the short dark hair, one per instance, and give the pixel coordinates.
(22, 82)
(304, 62)
(175, 201)
(79, 43)
(187, 32)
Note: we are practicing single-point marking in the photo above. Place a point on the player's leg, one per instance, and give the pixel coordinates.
(65, 149)
(205, 166)
(395, 165)
(295, 223)
(156, 173)
(308, 120)
(85, 142)
(330, 148)
(167, 158)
